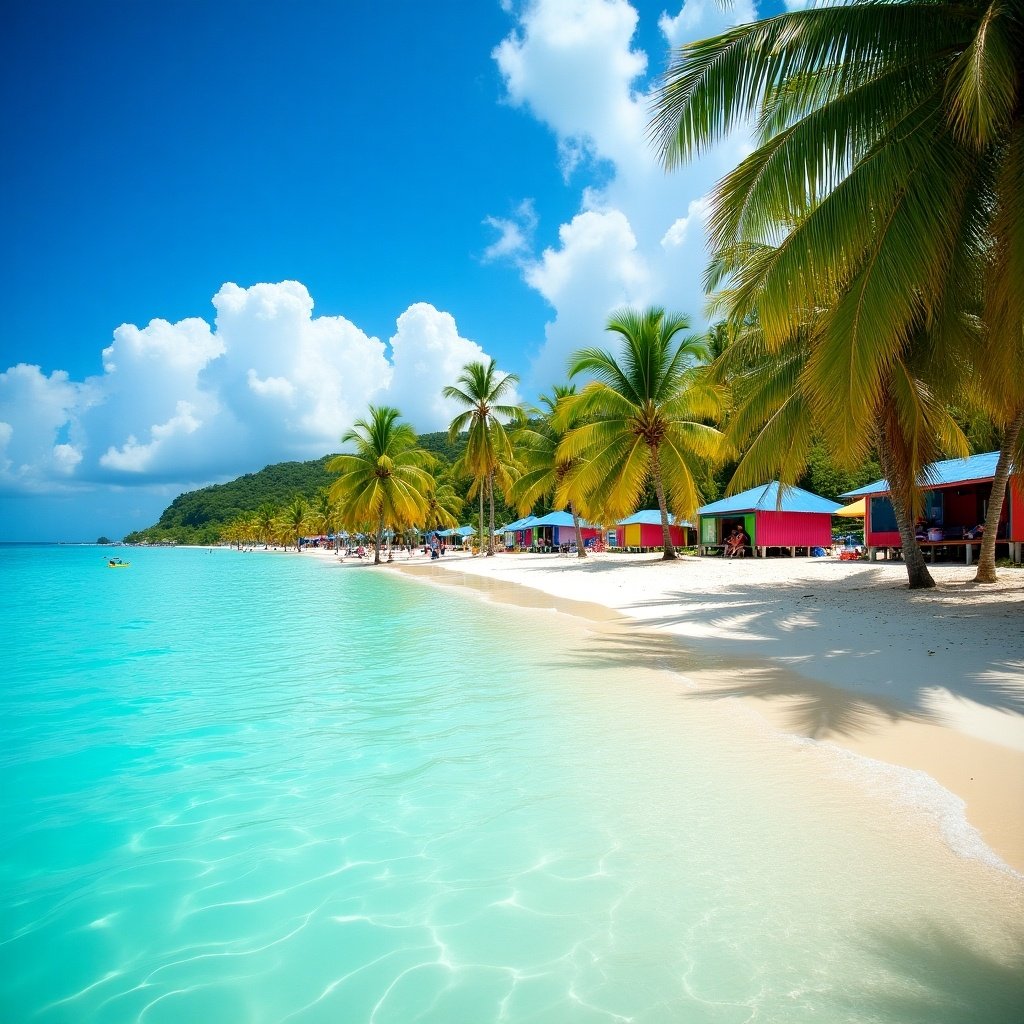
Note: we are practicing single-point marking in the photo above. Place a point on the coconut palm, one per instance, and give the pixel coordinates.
(643, 418)
(543, 471)
(774, 418)
(489, 456)
(443, 507)
(266, 519)
(888, 167)
(385, 480)
(324, 516)
(297, 517)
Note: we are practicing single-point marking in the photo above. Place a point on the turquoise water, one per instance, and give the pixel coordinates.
(260, 788)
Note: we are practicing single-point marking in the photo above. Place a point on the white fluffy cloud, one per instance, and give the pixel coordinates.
(639, 236)
(189, 402)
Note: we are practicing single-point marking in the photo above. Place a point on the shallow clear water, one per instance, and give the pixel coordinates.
(257, 788)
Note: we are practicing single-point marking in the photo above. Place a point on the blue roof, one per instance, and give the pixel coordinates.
(942, 474)
(765, 498)
(520, 524)
(556, 519)
(651, 517)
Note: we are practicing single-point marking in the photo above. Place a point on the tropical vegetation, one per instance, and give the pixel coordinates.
(880, 217)
(645, 416)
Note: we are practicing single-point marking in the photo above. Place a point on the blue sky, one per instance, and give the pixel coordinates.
(230, 226)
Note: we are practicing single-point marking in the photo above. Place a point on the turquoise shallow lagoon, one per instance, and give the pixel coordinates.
(263, 788)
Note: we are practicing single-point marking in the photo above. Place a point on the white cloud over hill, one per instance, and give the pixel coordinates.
(192, 402)
(639, 237)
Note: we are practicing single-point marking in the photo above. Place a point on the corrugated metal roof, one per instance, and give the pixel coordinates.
(556, 519)
(519, 524)
(651, 517)
(765, 498)
(942, 474)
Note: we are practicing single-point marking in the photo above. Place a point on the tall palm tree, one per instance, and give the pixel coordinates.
(385, 480)
(888, 169)
(644, 417)
(443, 507)
(296, 517)
(543, 471)
(480, 389)
(266, 520)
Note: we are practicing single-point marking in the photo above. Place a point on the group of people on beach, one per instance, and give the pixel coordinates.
(736, 543)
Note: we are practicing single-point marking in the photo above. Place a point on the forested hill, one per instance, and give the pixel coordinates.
(197, 517)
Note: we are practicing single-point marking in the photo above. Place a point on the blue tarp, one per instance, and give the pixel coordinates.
(942, 474)
(766, 499)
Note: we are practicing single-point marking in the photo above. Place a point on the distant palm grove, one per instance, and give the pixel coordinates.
(866, 286)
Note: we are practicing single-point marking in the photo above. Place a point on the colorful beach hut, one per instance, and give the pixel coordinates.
(796, 519)
(556, 530)
(955, 503)
(642, 531)
(518, 534)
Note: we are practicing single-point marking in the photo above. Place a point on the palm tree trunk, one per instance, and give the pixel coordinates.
(659, 489)
(918, 575)
(490, 525)
(480, 545)
(987, 558)
(378, 539)
(581, 551)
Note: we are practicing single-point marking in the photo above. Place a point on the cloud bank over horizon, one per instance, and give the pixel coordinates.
(192, 402)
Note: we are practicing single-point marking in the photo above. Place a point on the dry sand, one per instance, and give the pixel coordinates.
(838, 652)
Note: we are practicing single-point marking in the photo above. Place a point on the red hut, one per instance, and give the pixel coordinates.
(642, 531)
(798, 520)
(955, 505)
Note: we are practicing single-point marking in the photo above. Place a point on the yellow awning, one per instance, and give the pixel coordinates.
(856, 509)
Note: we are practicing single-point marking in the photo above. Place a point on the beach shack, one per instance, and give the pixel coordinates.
(519, 534)
(642, 531)
(556, 531)
(795, 519)
(955, 504)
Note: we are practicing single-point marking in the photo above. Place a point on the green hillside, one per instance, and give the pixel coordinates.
(197, 517)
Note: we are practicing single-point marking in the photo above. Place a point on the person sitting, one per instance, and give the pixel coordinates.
(974, 532)
(733, 544)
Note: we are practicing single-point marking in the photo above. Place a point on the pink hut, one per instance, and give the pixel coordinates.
(955, 504)
(796, 520)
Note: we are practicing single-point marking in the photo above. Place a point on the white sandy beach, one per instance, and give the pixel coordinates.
(839, 652)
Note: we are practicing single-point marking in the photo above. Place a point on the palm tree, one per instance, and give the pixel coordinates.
(443, 507)
(642, 418)
(543, 471)
(887, 180)
(296, 518)
(266, 519)
(480, 389)
(774, 418)
(385, 480)
(324, 516)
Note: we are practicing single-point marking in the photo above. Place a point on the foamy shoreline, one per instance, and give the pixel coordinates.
(837, 652)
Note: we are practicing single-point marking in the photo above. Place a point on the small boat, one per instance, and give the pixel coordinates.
(117, 563)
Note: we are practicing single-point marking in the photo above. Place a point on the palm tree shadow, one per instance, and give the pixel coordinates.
(746, 625)
(938, 977)
(814, 709)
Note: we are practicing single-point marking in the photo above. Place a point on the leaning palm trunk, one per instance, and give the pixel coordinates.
(913, 557)
(378, 540)
(581, 551)
(987, 558)
(659, 488)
